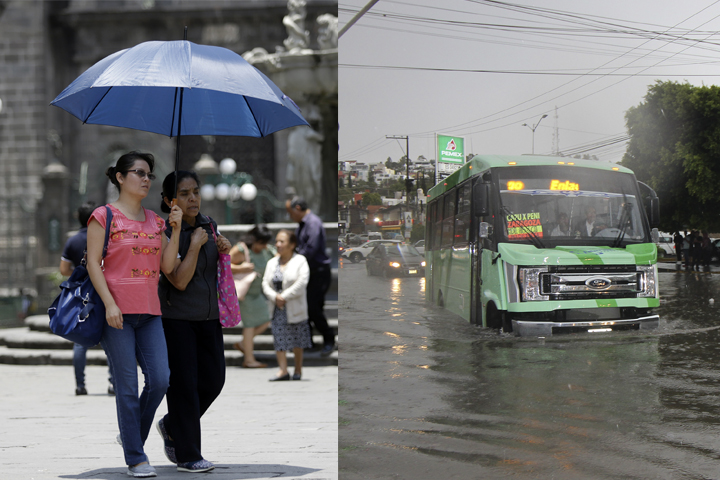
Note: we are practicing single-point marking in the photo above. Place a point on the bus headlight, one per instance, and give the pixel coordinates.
(530, 286)
(647, 281)
(395, 264)
(422, 264)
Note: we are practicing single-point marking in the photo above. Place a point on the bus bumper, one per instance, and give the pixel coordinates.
(529, 328)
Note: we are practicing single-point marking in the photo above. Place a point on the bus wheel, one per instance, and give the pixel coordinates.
(493, 318)
(355, 257)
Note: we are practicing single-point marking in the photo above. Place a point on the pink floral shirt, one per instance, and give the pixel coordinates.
(132, 262)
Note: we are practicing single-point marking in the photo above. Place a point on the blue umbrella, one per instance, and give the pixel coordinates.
(180, 88)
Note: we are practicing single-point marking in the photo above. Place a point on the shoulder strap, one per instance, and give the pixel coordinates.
(212, 228)
(108, 221)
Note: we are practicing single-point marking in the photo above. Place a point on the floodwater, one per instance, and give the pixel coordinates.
(424, 394)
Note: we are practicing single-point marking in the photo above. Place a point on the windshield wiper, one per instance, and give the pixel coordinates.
(532, 236)
(624, 222)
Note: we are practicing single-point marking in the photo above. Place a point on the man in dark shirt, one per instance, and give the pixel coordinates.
(311, 244)
(72, 256)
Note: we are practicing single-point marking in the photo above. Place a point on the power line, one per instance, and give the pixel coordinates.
(524, 72)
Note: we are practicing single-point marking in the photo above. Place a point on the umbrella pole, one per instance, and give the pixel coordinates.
(177, 143)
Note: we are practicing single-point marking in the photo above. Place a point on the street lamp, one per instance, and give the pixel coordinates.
(533, 131)
(224, 183)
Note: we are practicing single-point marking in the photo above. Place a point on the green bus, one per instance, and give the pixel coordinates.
(539, 245)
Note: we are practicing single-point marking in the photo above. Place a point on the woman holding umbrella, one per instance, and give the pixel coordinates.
(126, 281)
(193, 332)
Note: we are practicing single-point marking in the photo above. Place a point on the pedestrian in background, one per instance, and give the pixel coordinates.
(72, 256)
(696, 248)
(687, 243)
(127, 282)
(678, 239)
(247, 257)
(707, 249)
(284, 283)
(311, 244)
(191, 321)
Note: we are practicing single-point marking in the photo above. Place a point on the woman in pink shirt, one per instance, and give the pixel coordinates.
(127, 282)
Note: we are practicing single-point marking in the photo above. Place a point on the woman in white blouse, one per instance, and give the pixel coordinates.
(284, 284)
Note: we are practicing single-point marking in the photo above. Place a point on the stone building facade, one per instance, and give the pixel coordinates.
(44, 46)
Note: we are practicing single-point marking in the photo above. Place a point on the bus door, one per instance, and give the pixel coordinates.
(480, 209)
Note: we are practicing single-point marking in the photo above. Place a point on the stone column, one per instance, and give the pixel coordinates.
(52, 226)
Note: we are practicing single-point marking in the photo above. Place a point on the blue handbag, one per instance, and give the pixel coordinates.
(78, 313)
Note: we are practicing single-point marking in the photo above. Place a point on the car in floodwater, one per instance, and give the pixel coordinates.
(398, 260)
(357, 254)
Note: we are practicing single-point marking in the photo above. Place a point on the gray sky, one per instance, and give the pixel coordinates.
(620, 47)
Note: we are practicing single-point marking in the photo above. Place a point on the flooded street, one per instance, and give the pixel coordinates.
(424, 394)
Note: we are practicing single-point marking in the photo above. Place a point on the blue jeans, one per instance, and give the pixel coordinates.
(79, 361)
(141, 341)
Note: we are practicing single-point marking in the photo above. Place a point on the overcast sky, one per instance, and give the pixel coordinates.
(480, 69)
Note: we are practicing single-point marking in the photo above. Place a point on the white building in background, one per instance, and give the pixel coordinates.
(347, 166)
(362, 171)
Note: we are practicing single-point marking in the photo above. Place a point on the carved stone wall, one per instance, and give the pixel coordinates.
(45, 45)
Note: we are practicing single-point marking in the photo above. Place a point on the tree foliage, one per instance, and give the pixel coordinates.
(675, 148)
(369, 198)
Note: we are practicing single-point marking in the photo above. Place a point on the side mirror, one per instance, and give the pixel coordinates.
(652, 204)
(481, 199)
(485, 230)
(655, 212)
(655, 235)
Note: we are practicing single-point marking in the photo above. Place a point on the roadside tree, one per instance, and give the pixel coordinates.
(675, 148)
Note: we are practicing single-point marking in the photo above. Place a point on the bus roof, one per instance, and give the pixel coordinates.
(481, 163)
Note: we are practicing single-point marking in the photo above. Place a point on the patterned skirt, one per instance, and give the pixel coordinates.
(287, 336)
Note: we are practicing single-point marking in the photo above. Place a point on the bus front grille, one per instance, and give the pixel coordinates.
(584, 283)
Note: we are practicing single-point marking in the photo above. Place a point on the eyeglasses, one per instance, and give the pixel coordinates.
(142, 173)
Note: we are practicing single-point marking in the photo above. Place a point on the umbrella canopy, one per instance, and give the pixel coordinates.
(180, 88)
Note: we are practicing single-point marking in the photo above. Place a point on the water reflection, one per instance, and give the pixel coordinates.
(633, 405)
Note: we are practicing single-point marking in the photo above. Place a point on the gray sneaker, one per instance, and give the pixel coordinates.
(142, 471)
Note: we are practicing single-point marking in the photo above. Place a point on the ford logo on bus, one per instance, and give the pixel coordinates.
(598, 283)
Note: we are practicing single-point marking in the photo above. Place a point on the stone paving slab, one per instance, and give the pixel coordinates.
(22, 337)
(255, 430)
(21, 356)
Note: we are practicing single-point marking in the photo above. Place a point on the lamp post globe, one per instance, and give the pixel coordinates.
(248, 192)
(222, 190)
(227, 166)
(207, 192)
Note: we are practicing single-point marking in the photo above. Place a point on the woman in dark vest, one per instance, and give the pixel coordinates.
(190, 317)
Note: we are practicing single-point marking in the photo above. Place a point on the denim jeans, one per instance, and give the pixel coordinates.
(141, 341)
(79, 361)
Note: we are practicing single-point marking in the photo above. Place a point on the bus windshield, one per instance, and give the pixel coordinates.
(564, 205)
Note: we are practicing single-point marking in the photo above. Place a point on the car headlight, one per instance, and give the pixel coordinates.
(422, 264)
(529, 279)
(395, 264)
(647, 282)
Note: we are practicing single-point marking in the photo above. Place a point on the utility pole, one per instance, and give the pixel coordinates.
(556, 136)
(407, 163)
(533, 128)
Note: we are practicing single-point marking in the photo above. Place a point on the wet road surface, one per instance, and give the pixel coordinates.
(423, 394)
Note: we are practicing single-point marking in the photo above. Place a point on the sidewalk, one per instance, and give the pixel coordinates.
(255, 429)
(671, 265)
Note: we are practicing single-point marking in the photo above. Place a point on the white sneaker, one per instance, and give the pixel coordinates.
(142, 471)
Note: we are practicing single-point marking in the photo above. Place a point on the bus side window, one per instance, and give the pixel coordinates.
(437, 226)
(462, 219)
(430, 222)
(448, 218)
